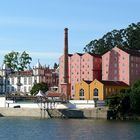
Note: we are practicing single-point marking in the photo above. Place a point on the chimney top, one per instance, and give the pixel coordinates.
(66, 29)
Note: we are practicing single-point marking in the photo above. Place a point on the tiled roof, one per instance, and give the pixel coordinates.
(25, 73)
(114, 83)
(54, 94)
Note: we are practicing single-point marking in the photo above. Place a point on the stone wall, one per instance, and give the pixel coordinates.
(23, 112)
(96, 113)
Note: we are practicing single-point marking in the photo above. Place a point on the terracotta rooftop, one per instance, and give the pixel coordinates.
(54, 94)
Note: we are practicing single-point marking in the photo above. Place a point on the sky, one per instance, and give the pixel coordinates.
(37, 26)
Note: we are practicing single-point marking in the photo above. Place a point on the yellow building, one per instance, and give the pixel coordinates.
(97, 90)
(82, 90)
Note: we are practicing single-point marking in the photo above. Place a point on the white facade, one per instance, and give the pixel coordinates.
(9, 81)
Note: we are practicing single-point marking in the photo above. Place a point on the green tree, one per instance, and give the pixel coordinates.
(17, 62)
(135, 97)
(120, 103)
(128, 38)
(55, 66)
(39, 86)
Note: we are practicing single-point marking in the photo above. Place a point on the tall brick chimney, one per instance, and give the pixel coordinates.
(66, 55)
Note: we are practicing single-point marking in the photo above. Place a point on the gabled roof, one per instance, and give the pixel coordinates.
(130, 51)
(114, 83)
(95, 55)
(70, 55)
(80, 54)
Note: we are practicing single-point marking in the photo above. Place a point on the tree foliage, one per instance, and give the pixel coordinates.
(127, 101)
(128, 38)
(39, 86)
(17, 61)
(120, 102)
(55, 66)
(135, 97)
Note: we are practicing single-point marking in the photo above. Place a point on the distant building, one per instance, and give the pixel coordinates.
(9, 80)
(121, 65)
(76, 67)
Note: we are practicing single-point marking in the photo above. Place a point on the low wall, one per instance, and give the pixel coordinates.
(23, 112)
(72, 104)
(96, 113)
(72, 109)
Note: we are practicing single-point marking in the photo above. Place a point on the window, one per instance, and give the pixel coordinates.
(30, 80)
(95, 92)
(24, 89)
(25, 80)
(7, 89)
(72, 88)
(29, 89)
(115, 65)
(81, 92)
(12, 81)
(115, 78)
(115, 71)
(115, 58)
(131, 57)
(136, 72)
(13, 89)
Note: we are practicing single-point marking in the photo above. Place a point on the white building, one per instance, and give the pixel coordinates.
(11, 82)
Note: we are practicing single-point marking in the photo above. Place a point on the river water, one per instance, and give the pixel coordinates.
(13, 128)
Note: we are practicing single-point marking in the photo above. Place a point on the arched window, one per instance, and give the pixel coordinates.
(81, 94)
(95, 92)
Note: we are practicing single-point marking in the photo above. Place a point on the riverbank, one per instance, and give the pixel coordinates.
(96, 113)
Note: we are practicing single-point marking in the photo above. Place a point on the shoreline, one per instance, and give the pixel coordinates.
(95, 113)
